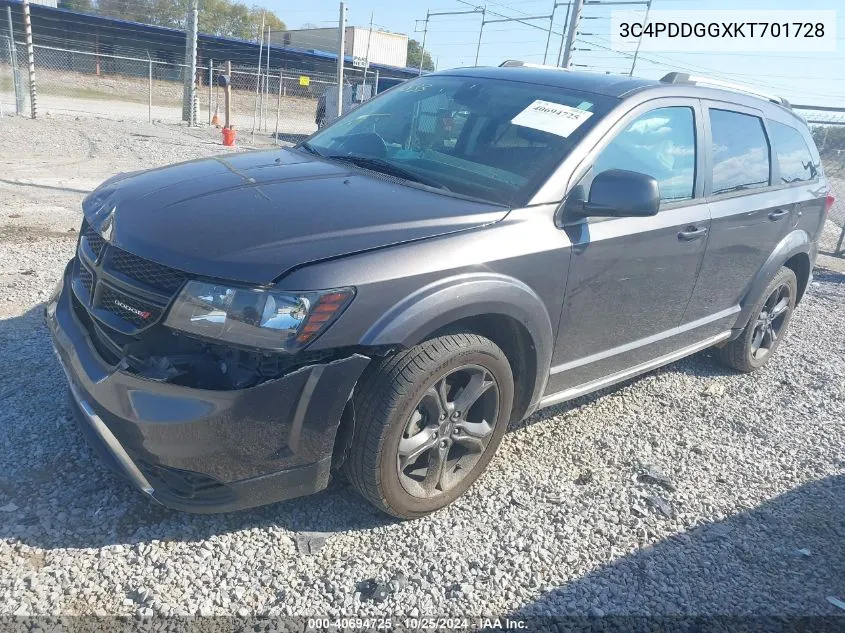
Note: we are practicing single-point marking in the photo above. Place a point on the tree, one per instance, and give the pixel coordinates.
(83, 6)
(224, 18)
(829, 139)
(414, 53)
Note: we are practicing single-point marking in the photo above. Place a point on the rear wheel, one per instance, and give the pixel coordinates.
(428, 420)
(766, 327)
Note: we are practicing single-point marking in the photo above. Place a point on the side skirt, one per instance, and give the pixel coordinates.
(612, 379)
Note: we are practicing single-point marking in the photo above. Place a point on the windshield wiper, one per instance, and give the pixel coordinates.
(386, 167)
(308, 148)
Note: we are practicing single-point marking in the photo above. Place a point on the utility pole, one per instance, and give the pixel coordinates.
(522, 20)
(258, 75)
(480, 31)
(563, 35)
(429, 15)
(425, 34)
(577, 5)
(189, 113)
(341, 54)
(640, 39)
(551, 24)
(367, 56)
(30, 52)
(526, 20)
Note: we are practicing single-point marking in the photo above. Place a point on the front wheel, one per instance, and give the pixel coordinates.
(428, 420)
(766, 327)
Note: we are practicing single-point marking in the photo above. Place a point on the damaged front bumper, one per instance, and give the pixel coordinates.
(203, 450)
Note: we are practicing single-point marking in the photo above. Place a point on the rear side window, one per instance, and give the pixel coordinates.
(661, 144)
(740, 151)
(793, 156)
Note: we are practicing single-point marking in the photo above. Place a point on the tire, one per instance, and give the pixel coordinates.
(755, 346)
(403, 399)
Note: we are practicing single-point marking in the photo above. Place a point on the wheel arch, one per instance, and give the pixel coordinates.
(800, 264)
(502, 308)
(792, 251)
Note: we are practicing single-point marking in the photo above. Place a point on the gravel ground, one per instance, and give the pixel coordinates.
(692, 490)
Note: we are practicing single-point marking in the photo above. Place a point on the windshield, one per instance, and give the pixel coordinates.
(486, 138)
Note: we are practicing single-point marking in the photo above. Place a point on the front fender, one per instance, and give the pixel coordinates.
(445, 301)
(798, 241)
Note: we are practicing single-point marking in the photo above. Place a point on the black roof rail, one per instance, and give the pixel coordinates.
(686, 78)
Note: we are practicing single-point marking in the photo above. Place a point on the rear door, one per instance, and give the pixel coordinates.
(749, 215)
(630, 278)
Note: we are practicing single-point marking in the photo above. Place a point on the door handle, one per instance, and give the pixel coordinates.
(777, 214)
(692, 233)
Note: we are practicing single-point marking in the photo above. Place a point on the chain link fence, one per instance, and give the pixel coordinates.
(114, 86)
(833, 161)
(14, 96)
(288, 103)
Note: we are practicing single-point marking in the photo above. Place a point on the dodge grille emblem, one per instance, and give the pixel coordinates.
(139, 313)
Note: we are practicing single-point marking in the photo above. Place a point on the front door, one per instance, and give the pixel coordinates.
(630, 278)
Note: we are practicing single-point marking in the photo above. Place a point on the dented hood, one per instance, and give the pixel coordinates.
(253, 216)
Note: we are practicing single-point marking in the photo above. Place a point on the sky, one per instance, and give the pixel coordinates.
(815, 78)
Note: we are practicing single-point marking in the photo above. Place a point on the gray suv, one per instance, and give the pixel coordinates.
(380, 301)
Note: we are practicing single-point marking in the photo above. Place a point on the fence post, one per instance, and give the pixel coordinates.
(150, 89)
(13, 60)
(31, 55)
(278, 109)
(227, 94)
(265, 96)
(210, 82)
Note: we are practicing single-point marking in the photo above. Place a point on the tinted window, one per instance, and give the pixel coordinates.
(740, 151)
(792, 153)
(661, 144)
(490, 139)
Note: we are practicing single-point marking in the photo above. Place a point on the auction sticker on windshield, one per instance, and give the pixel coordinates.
(554, 118)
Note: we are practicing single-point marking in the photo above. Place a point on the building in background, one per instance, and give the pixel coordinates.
(362, 44)
(46, 3)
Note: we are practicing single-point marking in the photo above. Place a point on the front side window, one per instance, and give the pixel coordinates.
(486, 138)
(661, 144)
(793, 156)
(740, 151)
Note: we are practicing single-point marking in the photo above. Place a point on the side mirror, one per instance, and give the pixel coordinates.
(621, 193)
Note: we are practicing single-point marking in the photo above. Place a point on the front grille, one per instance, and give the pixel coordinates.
(121, 290)
(95, 242)
(86, 278)
(136, 311)
(150, 273)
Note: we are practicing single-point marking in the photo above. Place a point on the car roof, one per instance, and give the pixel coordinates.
(607, 85)
(618, 86)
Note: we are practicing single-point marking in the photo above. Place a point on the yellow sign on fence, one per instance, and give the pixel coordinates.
(304, 80)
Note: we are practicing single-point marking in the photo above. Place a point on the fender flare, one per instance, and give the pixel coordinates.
(433, 307)
(797, 241)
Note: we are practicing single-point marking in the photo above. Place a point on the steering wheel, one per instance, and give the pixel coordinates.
(366, 143)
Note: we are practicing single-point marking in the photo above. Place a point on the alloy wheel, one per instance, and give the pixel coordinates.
(448, 431)
(770, 322)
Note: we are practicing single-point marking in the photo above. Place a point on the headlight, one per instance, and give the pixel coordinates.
(256, 318)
